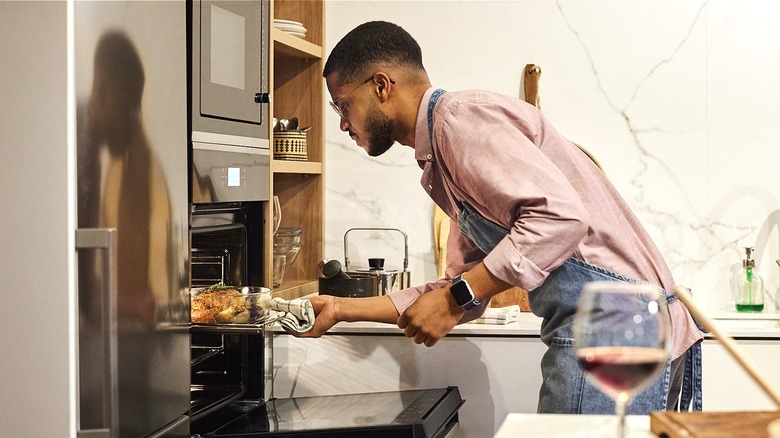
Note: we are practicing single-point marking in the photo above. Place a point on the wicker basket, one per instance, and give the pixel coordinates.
(290, 145)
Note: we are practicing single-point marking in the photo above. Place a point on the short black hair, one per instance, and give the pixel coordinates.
(371, 43)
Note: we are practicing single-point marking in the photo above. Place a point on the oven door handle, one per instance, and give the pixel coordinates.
(106, 239)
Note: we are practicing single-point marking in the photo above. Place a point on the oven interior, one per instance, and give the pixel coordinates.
(226, 365)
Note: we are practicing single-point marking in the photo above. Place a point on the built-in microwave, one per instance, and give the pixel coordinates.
(229, 69)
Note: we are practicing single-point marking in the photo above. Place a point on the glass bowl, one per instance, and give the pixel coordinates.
(287, 242)
(228, 305)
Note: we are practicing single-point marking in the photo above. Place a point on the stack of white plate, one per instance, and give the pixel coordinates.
(291, 27)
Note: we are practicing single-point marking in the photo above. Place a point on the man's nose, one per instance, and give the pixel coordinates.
(344, 124)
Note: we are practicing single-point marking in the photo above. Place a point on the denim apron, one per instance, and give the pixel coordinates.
(564, 385)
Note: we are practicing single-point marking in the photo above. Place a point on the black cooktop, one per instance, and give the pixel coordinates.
(425, 413)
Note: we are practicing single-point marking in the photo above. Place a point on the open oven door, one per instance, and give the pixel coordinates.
(426, 413)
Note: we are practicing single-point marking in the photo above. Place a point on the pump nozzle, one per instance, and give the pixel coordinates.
(749, 262)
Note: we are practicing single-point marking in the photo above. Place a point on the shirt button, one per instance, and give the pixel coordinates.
(429, 156)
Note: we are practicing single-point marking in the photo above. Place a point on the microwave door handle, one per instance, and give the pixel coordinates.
(103, 238)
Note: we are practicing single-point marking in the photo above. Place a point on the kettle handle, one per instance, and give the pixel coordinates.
(406, 244)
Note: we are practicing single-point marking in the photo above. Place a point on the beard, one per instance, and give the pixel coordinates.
(380, 132)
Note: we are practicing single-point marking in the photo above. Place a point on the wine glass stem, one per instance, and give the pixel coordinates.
(620, 409)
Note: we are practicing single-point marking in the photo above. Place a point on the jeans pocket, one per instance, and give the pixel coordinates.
(565, 387)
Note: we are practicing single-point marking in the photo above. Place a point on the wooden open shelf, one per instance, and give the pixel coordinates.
(298, 91)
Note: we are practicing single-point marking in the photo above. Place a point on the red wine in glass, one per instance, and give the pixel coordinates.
(622, 369)
(621, 336)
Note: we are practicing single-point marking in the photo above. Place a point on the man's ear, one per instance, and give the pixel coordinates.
(382, 81)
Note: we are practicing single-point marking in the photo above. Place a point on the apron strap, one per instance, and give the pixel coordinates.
(431, 105)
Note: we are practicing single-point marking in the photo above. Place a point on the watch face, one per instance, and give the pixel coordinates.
(461, 292)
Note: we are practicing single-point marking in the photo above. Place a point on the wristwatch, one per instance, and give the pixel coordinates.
(462, 293)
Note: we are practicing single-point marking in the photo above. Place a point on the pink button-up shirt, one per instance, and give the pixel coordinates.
(501, 156)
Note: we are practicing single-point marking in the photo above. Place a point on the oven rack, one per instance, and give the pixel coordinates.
(257, 327)
(252, 329)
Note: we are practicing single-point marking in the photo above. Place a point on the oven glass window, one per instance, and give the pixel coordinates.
(227, 48)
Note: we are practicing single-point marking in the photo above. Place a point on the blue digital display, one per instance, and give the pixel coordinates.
(234, 176)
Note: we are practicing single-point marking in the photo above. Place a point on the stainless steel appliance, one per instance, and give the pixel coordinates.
(229, 53)
(228, 96)
(132, 238)
(374, 281)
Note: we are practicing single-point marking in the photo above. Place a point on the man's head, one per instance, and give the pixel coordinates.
(373, 74)
(371, 46)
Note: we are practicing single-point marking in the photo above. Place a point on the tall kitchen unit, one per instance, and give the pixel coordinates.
(95, 224)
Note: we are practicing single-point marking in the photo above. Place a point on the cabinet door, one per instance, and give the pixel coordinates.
(728, 387)
(233, 48)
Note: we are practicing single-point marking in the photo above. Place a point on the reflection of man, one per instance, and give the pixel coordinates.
(134, 192)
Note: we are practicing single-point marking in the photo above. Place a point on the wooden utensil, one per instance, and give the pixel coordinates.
(531, 84)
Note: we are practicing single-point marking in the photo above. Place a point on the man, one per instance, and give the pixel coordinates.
(528, 209)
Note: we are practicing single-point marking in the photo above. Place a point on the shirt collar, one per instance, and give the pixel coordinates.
(423, 149)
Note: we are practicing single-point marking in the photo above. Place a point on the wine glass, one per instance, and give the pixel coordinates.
(621, 336)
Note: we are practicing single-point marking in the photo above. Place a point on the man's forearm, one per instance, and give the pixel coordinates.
(483, 283)
(374, 309)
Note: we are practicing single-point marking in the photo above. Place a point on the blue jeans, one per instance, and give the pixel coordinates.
(564, 386)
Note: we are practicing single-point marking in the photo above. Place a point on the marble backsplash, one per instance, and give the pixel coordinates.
(678, 100)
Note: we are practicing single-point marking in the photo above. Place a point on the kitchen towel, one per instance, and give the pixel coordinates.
(295, 315)
(499, 315)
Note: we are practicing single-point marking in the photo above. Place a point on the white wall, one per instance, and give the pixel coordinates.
(677, 99)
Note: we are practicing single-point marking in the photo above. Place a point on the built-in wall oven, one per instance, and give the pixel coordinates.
(228, 95)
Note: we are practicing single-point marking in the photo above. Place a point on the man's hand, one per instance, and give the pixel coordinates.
(430, 317)
(325, 310)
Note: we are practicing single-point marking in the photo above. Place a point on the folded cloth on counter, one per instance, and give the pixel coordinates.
(499, 315)
(294, 315)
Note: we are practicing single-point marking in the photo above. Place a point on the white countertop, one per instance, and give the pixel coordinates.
(572, 426)
(749, 325)
(527, 324)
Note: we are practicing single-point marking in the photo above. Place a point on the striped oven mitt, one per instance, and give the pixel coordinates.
(294, 315)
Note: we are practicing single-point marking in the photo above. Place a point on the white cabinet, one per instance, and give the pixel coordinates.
(727, 387)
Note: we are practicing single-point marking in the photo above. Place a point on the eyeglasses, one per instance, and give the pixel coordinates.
(342, 111)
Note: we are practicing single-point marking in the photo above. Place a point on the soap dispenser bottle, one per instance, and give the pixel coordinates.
(750, 286)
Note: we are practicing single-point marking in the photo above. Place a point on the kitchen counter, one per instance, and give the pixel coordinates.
(748, 326)
(559, 425)
(527, 324)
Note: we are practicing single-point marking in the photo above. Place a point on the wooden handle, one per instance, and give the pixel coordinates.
(731, 346)
(531, 84)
